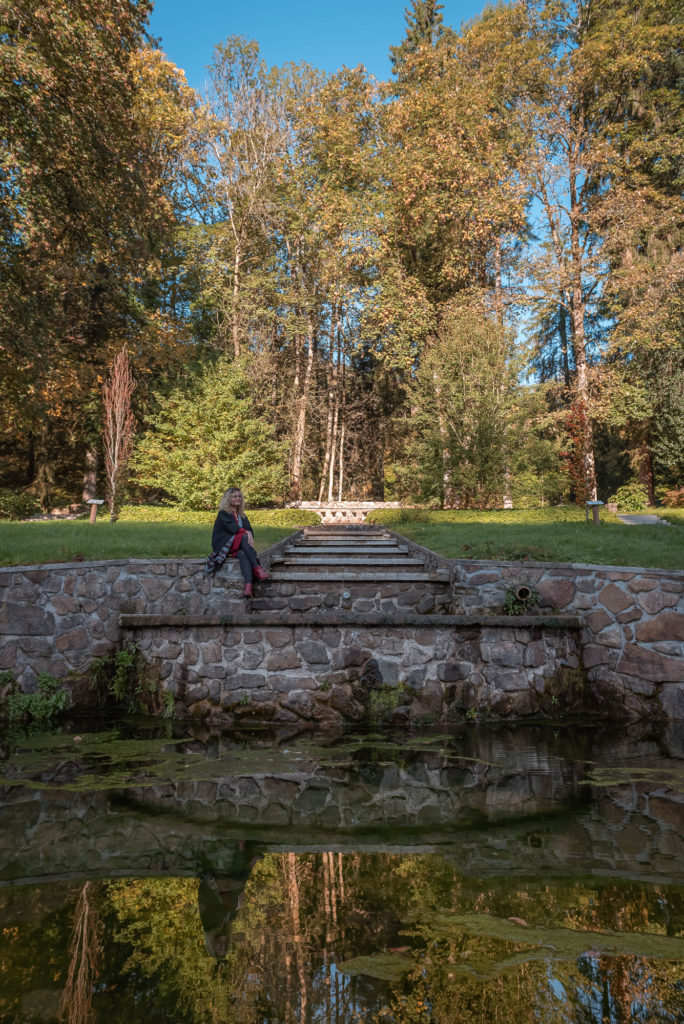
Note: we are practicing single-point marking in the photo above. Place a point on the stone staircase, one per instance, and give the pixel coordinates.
(354, 568)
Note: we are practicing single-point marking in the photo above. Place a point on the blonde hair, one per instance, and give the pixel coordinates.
(224, 504)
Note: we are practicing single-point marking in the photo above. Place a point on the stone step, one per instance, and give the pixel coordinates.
(370, 532)
(311, 553)
(362, 560)
(281, 575)
(332, 546)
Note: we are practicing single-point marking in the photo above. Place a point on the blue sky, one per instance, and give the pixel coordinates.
(325, 33)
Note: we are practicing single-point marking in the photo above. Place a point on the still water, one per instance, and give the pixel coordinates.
(496, 874)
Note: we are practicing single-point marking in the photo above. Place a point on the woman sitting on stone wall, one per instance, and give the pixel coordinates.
(233, 537)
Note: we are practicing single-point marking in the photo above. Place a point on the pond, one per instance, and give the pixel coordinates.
(497, 873)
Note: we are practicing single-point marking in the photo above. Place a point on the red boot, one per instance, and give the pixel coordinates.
(249, 590)
(260, 573)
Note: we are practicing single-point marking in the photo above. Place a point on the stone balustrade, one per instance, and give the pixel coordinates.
(342, 513)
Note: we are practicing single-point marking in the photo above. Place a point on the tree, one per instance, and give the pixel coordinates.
(241, 135)
(604, 105)
(85, 207)
(119, 429)
(642, 106)
(206, 435)
(464, 399)
(424, 28)
(564, 180)
(85, 949)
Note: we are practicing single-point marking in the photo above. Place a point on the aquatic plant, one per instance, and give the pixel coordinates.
(124, 679)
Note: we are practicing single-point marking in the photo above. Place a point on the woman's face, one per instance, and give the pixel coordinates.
(235, 499)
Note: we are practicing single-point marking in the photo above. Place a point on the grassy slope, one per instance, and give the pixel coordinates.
(65, 541)
(547, 536)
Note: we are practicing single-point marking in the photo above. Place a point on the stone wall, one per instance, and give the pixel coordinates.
(417, 668)
(57, 618)
(632, 619)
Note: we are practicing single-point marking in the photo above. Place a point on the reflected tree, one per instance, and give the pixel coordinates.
(85, 951)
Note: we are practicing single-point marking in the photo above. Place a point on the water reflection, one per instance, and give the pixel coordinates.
(448, 879)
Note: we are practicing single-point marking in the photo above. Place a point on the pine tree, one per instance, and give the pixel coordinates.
(424, 21)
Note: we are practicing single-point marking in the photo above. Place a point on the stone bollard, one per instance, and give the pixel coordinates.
(94, 505)
(594, 506)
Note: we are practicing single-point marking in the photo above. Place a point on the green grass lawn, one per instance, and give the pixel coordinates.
(673, 515)
(66, 541)
(546, 535)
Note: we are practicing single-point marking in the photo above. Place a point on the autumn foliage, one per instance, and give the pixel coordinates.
(525, 169)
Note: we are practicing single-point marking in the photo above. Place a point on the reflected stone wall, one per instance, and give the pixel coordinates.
(488, 819)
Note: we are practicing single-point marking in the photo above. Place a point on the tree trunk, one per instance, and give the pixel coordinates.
(45, 474)
(563, 331)
(449, 499)
(498, 290)
(579, 342)
(236, 295)
(90, 475)
(328, 457)
(300, 421)
(331, 474)
(341, 471)
(641, 462)
(292, 885)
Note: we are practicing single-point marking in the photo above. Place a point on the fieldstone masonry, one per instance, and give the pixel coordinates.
(418, 668)
(606, 639)
(632, 624)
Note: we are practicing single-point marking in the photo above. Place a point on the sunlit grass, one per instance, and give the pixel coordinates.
(68, 541)
(672, 515)
(502, 537)
(550, 535)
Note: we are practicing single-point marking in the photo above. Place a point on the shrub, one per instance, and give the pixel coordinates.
(398, 516)
(632, 497)
(209, 433)
(49, 699)
(551, 514)
(284, 517)
(120, 678)
(15, 505)
(674, 499)
(164, 514)
(124, 680)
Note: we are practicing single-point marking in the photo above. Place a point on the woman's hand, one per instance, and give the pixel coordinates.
(250, 539)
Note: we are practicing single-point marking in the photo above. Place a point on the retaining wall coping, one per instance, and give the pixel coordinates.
(430, 557)
(106, 563)
(465, 562)
(568, 565)
(365, 621)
